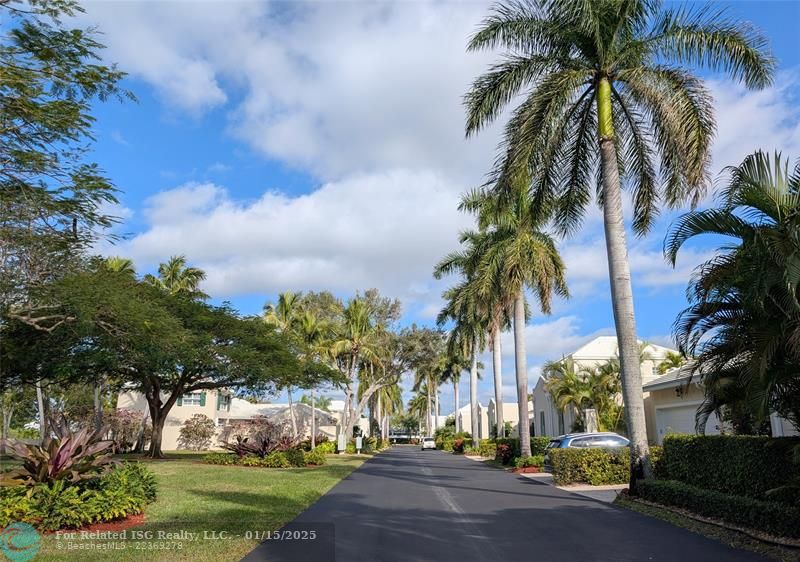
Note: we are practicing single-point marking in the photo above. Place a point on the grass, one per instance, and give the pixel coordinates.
(201, 498)
(727, 536)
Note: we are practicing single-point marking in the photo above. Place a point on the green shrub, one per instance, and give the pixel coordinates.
(592, 466)
(471, 451)
(276, 459)
(487, 448)
(739, 465)
(538, 445)
(220, 458)
(533, 460)
(61, 504)
(511, 442)
(504, 453)
(327, 448)
(446, 444)
(295, 457)
(770, 517)
(459, 445)
(315, 457)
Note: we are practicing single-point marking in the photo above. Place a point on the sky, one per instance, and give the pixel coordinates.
(320, 146)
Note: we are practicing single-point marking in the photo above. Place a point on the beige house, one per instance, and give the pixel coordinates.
(465, 420)
(549, 420)
(225, 409)
(510, 414)
(671, 404)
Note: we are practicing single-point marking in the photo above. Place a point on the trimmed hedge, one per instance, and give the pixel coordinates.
(769, 517)
(316, 457)
(591, 466)
(738, 465)
(487, 448)
(538, 445)
(121, 492)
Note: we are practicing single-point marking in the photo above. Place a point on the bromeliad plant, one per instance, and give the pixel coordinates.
(73, 457)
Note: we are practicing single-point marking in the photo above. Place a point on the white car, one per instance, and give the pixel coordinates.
(428, 443)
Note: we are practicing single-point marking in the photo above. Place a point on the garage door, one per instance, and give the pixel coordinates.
(680, 419)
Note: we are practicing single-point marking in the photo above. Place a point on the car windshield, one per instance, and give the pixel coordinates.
(428, 439)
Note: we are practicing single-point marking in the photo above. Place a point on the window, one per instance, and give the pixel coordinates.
(223, 402)
(561, 423)
(585, 442)
(193, 399)
(541, 424)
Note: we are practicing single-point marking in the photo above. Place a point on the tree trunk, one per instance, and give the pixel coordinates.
(313, 421)
(455, 398)
(380, 419)
(428, 418)
(291, 412)
(436, 410)
(43, 429)
(622, 292)
(155, 441)
(98, 408)
(522, 374)
(473, 394)
(498, 381)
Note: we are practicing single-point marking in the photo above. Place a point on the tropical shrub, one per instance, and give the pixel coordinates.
(61, 504)
(739, 465)
(504, 453)
(487, 448)
(275, 460)
(538, 445)
(315, 457)
(770, 517)
(512, 443)
(327, 448)
(472, 451)
(196, 432)
(458, 445)
(533, 460)
(75, 456)
(125, 427)
(384, 444)
(295, 457)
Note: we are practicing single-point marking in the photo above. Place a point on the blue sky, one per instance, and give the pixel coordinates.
(320, 146)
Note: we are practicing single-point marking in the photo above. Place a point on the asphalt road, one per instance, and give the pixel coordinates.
(407, 505)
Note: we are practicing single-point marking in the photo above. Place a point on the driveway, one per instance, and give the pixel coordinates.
(405, 504)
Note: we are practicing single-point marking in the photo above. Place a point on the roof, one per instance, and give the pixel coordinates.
(670, 379)
(605, 347)
(242, 410)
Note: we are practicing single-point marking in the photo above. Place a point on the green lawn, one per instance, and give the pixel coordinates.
(198, 498)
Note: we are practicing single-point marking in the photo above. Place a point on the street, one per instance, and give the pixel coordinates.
(405, 504)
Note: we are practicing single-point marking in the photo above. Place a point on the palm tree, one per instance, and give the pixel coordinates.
(517, 256)
(604, 89)
(285, 316)
(467, 337)
(357, 343)
(673, 360)
(455, 363)
(313, 334)
(568, 384)
(179, 279)
(119, 264)
(741, 326)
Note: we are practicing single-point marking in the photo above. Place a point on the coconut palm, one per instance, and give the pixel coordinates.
(742, 326)
(313, 334)
(517, 256)
(119, 264)
(455, 363)
(673, 360)
(285, 316)
(178, 278)
(605, 98)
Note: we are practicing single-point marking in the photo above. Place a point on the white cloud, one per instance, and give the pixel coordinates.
(384, 230)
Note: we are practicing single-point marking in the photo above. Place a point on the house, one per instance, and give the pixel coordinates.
(465, 420)
(225, 409)
(672, 402)
(549, 420)
(510, 415)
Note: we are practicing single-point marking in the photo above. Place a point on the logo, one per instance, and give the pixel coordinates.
(19, 542)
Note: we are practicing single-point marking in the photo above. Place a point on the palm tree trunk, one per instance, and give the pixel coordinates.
(473, 393)
(428, 418)
(436, 410)
(43, 429)
(98, 408)
(498, 381)
(622, 292)
(455, 398)
(522, 374)
(291, 412)
(379, 420)
(313, 421)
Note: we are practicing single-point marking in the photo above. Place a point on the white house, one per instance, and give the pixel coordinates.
(465, 420)
(548, 420)
(510, 415)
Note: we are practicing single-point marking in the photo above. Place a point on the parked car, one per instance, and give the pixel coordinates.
(428, 443)
(600, 440)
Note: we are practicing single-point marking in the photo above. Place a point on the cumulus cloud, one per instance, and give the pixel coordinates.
(384, 230)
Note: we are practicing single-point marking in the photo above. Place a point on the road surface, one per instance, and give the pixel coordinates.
(408, 505)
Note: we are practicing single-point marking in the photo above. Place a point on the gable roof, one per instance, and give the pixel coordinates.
(605, 347)
(670, 379)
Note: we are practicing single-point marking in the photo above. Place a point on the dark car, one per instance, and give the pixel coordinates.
(600, 440)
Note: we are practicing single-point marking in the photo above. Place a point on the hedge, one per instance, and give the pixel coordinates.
(739, 465)
(538, 444)
(770, 517)
(597, 467)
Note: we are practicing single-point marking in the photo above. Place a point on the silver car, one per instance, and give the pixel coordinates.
(599, 440)
(428, 443)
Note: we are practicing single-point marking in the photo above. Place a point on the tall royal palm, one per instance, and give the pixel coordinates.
(606, 98)
(518, 256)
(285, 316)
